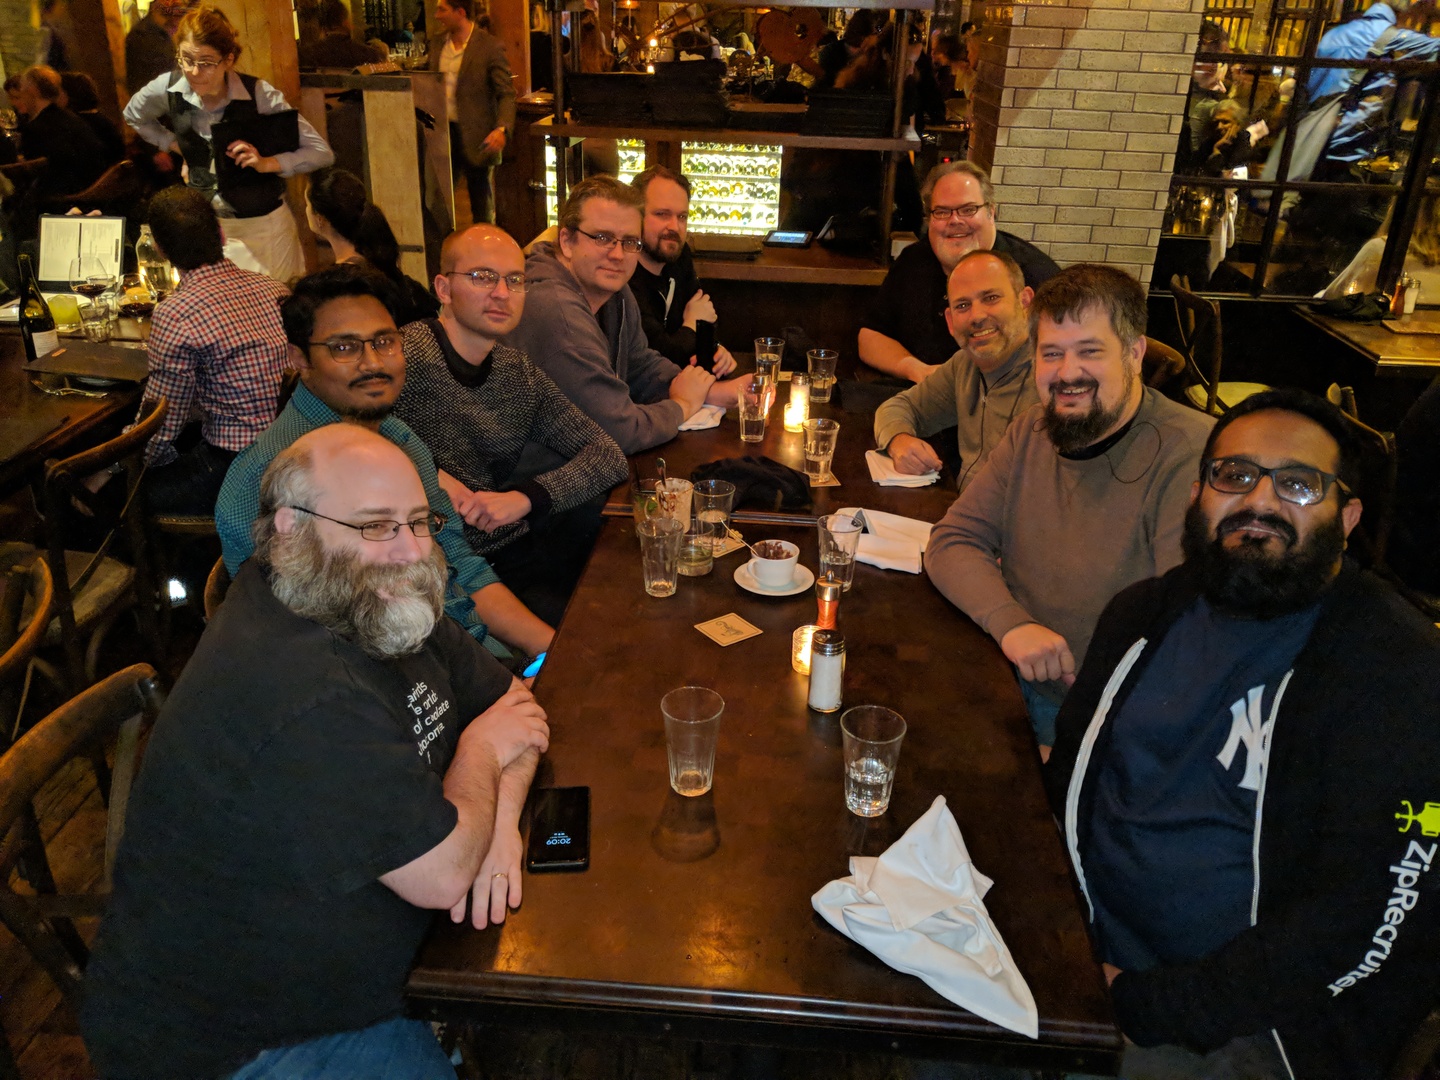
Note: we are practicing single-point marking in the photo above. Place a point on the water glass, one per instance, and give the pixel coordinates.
(95, 320)
(692, 730)
(820, 436)
(871, 736)
(839, 541)
(769, 351)
(753, 411)
(659, 554)
(713, 499)
(821, 364)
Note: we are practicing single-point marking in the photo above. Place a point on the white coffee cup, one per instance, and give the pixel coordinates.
(775, 573)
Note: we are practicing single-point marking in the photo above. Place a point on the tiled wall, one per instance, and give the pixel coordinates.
(1077, 111)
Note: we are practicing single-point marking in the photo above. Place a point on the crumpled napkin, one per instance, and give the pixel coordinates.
(918, 907)
(884, 472)
(890, 541)
(708, 416)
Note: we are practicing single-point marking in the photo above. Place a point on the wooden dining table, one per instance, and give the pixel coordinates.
(694, 920)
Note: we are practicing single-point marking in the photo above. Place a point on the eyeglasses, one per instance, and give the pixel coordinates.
(631, 245)
(199, 67)
(380, 531)
(950, 213)
(1298, 484)
(347, 350)
(486, 280)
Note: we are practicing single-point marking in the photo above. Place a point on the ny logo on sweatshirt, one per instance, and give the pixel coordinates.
(1249, 726)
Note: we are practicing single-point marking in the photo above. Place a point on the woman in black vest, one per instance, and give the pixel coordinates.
(203, 98)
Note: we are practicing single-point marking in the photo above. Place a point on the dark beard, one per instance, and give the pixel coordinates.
(387, 610)
(1073, 434)
(1247, 583)
(659, 256)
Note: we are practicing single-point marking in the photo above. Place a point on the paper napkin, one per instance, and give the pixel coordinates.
(708, 416)
(890, 541)
(884, 472)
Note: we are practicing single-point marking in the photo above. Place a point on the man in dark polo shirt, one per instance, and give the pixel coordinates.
(904, 334)
(336, 762)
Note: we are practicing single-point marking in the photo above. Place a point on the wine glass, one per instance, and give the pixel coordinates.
(89, 277)
(137, 298)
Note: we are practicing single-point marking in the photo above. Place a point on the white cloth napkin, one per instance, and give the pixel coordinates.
(890, 541)
(708, 416)
(918, 907)
(884, 472)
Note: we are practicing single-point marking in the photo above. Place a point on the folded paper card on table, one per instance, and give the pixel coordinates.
(708, 416)
(884, 472)
(919, 908)
(890, 541)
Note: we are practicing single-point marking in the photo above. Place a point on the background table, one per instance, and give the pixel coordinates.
(694, 918)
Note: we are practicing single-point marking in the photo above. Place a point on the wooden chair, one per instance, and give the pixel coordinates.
(116, 708)
(1371, 538)
(1201, 343)
(216, 586)
(27, 605)
(1161, 365)
(115, 191)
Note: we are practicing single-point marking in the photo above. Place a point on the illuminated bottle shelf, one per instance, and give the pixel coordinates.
(735, 187)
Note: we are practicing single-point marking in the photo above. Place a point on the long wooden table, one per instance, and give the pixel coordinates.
(694, 918)
(1413, 354)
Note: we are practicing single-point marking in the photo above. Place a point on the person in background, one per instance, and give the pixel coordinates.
(526, 469)
(56, 47)
(73, 154)
(217, 346)
(178, 110)
(983, 387)
(336, 47)
(1240, 767)
(1084, 495)
(340, 214)
(81, 98)
(336, 763)
(904, 334)
(665, 284)
(479, 96)
(150, 44)
(1422, 259)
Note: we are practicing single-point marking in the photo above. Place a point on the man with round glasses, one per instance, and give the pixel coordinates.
(526, 470)
(351, 359)
(1246, 770)
(582, 326)
(904, 333)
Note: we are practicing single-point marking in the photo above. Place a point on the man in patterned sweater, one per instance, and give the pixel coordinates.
(525, 468)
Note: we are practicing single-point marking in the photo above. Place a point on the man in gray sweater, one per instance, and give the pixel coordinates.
(979, 390)
(582, 326)
(1085, 494)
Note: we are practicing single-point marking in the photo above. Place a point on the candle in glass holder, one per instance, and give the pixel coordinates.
(800, 648)
(798, 411)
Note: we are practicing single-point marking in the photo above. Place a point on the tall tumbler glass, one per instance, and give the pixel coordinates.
(753, 410)
(871, 736)
(692, 730)
(821, 364)
(659, 554)
(839, 541)
(820, 436)
(714, 499)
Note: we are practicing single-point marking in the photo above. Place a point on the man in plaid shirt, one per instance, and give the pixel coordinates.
(217, 345)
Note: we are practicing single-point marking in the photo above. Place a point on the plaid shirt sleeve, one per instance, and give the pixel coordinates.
(172, 376)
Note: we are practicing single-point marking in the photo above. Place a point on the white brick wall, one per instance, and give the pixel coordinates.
(1076, 115)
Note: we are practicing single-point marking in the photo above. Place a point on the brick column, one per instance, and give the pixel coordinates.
(1076, 115)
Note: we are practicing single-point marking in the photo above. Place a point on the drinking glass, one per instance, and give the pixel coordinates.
(644, 503)
(770, 350)
(66, 311)
(839, 541)
(95, 320)
(674, 499)
(871, 736)
(821, 363)
(714, 499)
(89, 277)
(137, 298)
(820, 436)
(753, 411)
(659, 554)
(692, 730)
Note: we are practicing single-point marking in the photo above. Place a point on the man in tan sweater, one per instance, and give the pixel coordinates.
(1085, 494)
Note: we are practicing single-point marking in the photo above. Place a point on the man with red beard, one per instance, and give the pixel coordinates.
(1246, 771)
(1084, 495)
(337, 761)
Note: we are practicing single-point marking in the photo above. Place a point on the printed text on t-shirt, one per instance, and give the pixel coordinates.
(428, 709)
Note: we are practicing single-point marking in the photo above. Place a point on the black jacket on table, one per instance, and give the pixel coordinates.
(662, 328)
(1340, 959)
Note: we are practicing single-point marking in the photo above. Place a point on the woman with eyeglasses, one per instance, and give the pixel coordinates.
(340, 213)
(203, 98)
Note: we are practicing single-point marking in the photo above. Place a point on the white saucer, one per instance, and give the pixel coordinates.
(804, 578)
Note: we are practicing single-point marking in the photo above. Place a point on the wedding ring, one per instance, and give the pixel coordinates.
(493, 876)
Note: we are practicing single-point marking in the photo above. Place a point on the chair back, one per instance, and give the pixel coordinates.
(26, 578)
(64, 487)
(1201, 341)
(1371, 538)
(1161, 365)
(115, 708)
(216, 586)
(116, 188)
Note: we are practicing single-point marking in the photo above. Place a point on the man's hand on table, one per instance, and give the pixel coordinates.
(498, 883)
(511, 726)
(912, 456)
(698, 308)
(1039, 653)
(689, 389)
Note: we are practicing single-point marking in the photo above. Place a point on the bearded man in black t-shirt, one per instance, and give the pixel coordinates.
(336, 762)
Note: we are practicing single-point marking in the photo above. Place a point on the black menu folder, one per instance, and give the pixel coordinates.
(90, 360)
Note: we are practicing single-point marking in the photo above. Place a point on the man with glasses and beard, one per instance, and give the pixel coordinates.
(1246, 769)
(1084, 495)
(337, 761)
(344, 341)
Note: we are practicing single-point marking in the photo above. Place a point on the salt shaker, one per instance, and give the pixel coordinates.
(827, 670)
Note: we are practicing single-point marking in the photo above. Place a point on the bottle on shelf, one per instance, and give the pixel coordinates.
(153, 266)
(37, 324)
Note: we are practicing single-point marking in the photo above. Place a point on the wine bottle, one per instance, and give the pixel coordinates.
(37, 325)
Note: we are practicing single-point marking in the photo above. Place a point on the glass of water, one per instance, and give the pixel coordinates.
(839, 541)
(821, 364)
(820, 436)
(714, 499)
(692, 731)
(660, 554)
(871, 735)
(753, 411)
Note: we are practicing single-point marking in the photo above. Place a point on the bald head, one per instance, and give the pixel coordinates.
(481, 288)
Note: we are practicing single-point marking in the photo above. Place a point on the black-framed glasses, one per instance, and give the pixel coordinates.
(380, 531)
(347, 349)
(1298, 484)
(631, 245)
(486, 280)
(950, 213)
